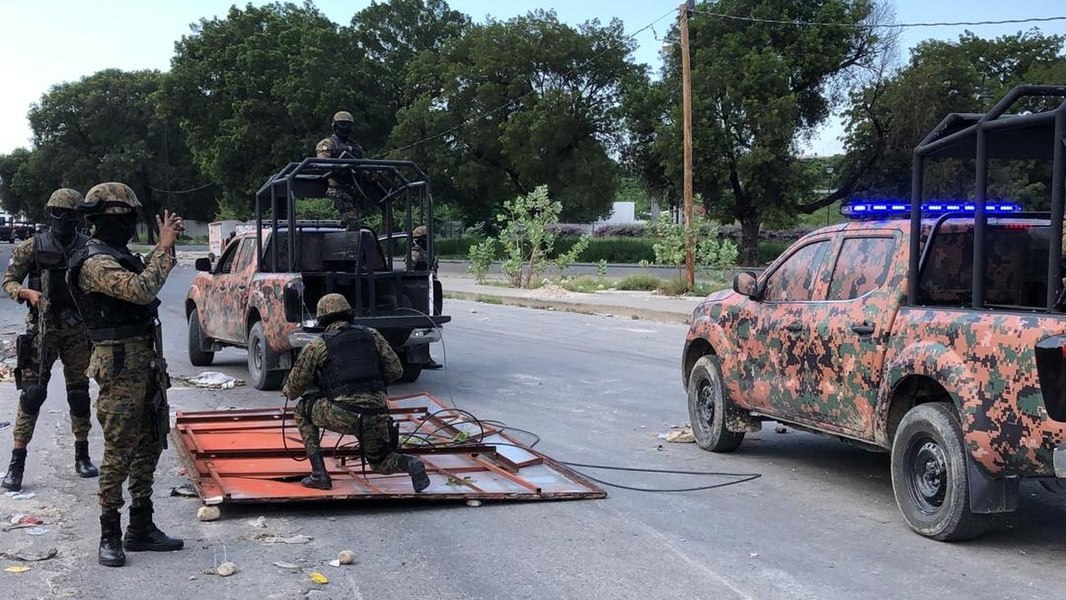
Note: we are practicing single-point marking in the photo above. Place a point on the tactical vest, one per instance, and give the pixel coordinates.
(107, 317)
(352, 365)
(51, 256)
(343, 179)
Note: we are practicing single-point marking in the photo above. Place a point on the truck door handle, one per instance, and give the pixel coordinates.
(794, 327)
(242, 287)
(863, 329)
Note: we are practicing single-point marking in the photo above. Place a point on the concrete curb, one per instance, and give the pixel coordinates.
(586, 308)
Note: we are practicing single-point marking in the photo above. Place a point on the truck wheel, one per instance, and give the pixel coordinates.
(929, 475)
(197, 356)
(707, 405)
(259, 356)
(411, 370)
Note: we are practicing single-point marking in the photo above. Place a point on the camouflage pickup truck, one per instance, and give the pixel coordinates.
(262, 292)
(962, 378)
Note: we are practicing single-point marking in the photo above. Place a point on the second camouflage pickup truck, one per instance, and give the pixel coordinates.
(961, 378)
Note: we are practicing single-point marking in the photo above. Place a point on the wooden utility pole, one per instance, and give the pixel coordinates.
(686, 111)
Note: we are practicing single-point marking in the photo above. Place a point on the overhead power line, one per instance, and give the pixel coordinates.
(878, 26)
(512, 101)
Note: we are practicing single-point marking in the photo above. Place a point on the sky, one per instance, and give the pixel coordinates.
(46, 42)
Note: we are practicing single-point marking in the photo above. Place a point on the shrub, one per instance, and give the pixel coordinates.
(640, 282)
(455, 247)
(769, 250)
(628, 230)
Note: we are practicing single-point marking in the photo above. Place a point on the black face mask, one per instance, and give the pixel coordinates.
(343, 129)
(63, 223)
(115, 230)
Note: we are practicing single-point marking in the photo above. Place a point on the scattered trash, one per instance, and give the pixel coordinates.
(185, 490)
(346, 557)
(5, 424)
(7, 375)
(285, 565)
(335, 563)
(473, 502)
(192, 577)
(319, 578)
(22, 521)
(226, 569)
(37, 530)
(214, 380)
(208, 513)
(30, 557)
(277, 539)
(754, 554)
(17, 569)
(780, 429)
(20, 495)
(258, 522)
(681, 436)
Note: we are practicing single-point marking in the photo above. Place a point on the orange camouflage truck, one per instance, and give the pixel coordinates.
(262, 291)
(960, 377)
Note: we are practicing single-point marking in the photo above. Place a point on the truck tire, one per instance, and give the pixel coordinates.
(411, 370)
(197, 356)
(929, 475)
(259, 356)
(707, 406)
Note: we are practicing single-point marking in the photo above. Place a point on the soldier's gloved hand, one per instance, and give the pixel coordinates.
(170, 227)
(32, 297)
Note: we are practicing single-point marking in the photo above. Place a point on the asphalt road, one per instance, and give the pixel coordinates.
(820, 523)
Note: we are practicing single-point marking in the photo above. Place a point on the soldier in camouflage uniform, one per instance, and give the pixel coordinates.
(43, 258)
(350, 366)
(343, 189)
(420, 260)
(116, 293)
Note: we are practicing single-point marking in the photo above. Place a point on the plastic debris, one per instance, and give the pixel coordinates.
(5, 424)
(20, 495)
(681, 436)
(319, 578)
(258, 522)
(346, 557)
(208, 513)
(285, 565)
(277, 539)
(335, 563)
(37, 530)
(214, 380)
(17, 569)
(30, 557)
(185, 490)
(780, 429)
(226, 569)
(473, 502)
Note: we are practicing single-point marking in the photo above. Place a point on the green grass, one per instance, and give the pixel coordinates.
(586, 284)
(640, 282)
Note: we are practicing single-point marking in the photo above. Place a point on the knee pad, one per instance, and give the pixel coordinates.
(78, 399)
(32, 398)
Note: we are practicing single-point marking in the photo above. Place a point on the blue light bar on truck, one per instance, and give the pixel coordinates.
(874, 209)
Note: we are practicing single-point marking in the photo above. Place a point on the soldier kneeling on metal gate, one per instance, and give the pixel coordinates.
(350, 365)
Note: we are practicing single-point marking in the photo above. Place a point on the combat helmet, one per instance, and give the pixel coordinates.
(110, 198)
(343, 116)
(333, 305)
(64, 198)
(419, 231)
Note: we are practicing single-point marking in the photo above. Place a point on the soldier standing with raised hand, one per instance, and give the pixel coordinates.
(54, 322)
(116, 293)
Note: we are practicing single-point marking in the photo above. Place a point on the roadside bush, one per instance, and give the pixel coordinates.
(769, 250)
(643, 282)
(455, 247)
(612, 250)
(629, 230)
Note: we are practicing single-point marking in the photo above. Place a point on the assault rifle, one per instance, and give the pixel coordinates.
(161, 380)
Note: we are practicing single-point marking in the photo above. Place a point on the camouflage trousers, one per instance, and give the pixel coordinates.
(311, 414)
(350, 208)
(70, 345)
(132, 445)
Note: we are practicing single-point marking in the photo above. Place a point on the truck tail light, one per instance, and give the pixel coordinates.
(1051, 368)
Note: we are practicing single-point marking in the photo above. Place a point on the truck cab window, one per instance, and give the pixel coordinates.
(862, 267)
(794, 279)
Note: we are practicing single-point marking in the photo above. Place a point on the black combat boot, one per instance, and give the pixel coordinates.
(110, 553)
(13, 479)
(417, 470)
(432, 365)
(82, 464)
(142, 534)
(319, 478)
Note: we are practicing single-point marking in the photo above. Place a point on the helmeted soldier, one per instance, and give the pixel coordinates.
(54, 322)
(116, 293)
(350, 367)
(343, 188)
(420, 262)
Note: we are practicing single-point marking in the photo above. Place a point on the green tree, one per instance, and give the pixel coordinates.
(758, 89)
(515, 104)
(943, 77)
(21, 191)
(105, 127)
(256, 90)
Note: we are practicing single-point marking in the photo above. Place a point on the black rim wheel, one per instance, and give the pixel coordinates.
(927, 474)
(706, 398)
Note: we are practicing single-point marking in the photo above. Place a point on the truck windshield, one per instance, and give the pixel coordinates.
(1016, 274)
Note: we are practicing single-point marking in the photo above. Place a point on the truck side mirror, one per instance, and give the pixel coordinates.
(294, 304)
(745, 284)
(203, 264)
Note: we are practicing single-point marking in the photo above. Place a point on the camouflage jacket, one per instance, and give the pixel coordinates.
(18, 268)
(313, 356)
(104, 275)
